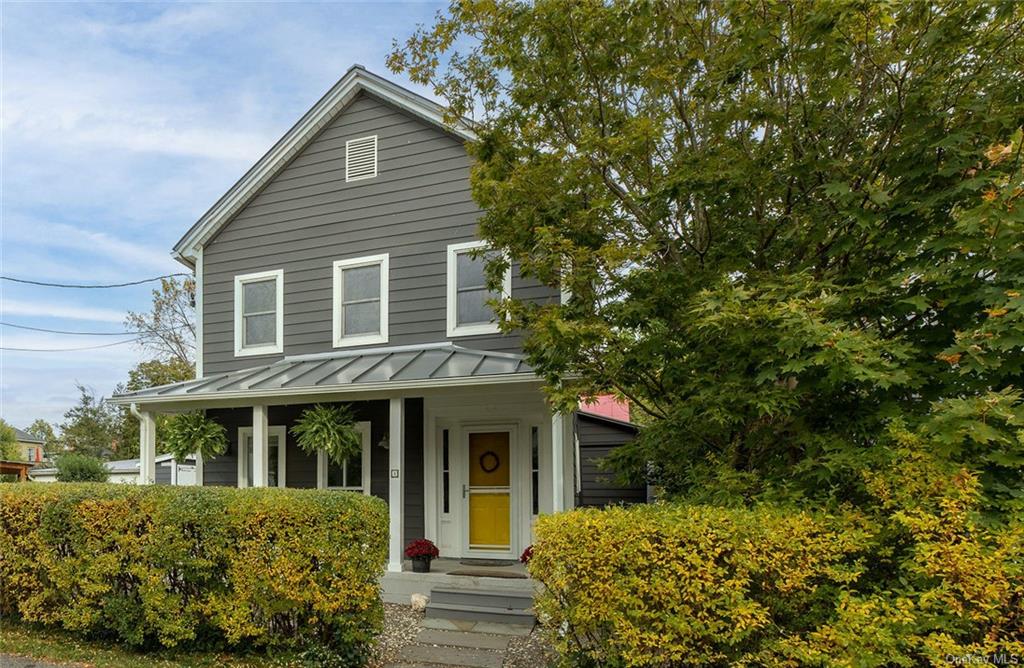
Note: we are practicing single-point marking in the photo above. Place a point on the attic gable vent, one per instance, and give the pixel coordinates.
(361, 158)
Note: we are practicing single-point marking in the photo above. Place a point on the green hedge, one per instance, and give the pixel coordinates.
(674, 584)
(193, 566)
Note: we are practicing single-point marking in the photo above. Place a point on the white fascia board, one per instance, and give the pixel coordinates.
(357, 388)
(323, 112)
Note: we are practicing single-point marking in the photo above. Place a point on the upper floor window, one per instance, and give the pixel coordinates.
(361, 301)
(468, 311)
(361, 158)
(259, 313)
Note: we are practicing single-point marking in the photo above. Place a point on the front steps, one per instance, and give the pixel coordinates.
(481, 605)
(453, 648)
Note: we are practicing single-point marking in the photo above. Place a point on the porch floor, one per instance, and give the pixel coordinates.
(398, 587)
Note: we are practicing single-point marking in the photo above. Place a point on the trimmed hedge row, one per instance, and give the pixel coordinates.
(674, 584)
(193, 566)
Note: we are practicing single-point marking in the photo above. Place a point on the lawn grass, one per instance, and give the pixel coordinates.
(59, 646)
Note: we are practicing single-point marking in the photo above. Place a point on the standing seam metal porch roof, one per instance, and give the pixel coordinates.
(424, 364)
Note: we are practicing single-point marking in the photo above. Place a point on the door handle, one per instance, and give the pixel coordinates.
(465, 490)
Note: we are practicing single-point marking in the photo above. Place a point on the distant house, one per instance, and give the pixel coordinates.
(168, 471)
(30, 448)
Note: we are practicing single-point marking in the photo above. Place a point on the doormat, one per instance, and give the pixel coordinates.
(488, 562)
(486, 573)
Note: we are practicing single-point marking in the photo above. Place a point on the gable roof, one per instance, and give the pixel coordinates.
(356, 80)
(613, 422)
(23, 436)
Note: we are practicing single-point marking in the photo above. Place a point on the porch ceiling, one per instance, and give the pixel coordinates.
(442, 364)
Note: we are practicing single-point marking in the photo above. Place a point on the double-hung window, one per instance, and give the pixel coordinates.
(361, 301)
(352, 475)
(259, 313)
(468, 310)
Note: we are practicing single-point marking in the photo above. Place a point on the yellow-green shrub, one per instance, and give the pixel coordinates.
(188, 565)
(676, 584)
(669, 584)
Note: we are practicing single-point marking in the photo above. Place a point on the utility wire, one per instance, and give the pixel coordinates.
(67, 350)
(91, 287)
(64, 331)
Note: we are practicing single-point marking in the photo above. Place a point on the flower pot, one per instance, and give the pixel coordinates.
(421, 564)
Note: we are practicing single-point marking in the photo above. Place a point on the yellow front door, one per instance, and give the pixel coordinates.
(489, 491)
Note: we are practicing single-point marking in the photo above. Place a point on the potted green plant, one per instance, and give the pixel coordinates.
(194, 433)
(421, 551)
(331, 428)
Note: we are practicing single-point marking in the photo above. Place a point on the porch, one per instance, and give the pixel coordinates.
(459, 443)
(451, 573)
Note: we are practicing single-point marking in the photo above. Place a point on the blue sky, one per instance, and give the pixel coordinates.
(121, 124)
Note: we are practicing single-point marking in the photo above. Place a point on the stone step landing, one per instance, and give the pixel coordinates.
(454, 648)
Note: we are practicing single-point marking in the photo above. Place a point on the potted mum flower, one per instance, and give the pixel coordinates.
(421, 551)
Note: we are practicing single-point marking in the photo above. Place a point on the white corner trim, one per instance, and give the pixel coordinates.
(358, 144)
(199, 312)
(451, 282)
(338, 336)
(321, 461)
(278, 345)
(243, 454)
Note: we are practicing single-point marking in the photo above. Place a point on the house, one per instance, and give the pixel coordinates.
(127, 471)
(30, 448)
(341, 268)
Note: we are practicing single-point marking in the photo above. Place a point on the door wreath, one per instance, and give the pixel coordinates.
(489, 462)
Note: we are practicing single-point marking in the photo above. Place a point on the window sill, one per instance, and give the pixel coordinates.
(263, 350)
(474, 330)
(352, 341)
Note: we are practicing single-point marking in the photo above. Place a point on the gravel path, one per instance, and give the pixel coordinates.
(530, 651)
(401, 625)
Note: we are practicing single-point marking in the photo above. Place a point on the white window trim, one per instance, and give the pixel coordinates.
(454, 329)
(321, 462)
(282, 450)
(365, 176)
(278, 346)
(340, 340)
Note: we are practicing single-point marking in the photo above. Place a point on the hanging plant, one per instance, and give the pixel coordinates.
(331, 428)
(190, 433)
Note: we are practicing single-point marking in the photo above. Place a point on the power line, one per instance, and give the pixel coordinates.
(91, 287)
(64, 331)
(67, 350)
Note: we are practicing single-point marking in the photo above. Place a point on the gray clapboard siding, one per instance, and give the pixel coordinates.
(598, 438)
(308, 216)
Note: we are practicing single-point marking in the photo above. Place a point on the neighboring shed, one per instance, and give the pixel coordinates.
(127, 471)
(598, 436)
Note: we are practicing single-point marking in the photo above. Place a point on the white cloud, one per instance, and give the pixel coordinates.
(34, 232)
(10, 307)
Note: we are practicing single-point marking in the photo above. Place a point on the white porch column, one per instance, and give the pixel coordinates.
(557, 462)
(260, 447)
(147, 448)
(396, 499)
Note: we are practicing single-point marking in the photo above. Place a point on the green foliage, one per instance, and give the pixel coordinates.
(88, 427)
(331, 428)
(783, 225)
(76, 467)
(195, 567)
(8, 442)
(680, 584)
(40, 428)
(145, 375)
(193, 432)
